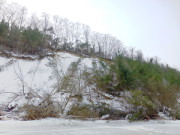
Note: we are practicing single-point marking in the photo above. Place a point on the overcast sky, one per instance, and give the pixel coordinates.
(152, 26)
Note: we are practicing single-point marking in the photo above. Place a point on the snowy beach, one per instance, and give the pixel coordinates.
(77, 127)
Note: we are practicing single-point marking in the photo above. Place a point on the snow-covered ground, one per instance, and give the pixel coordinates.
(76, 127)
(35, 76)
(18, 75)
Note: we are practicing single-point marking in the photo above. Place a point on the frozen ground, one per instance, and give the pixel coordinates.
(75, 127)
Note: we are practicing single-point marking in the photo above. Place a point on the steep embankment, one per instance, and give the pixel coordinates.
(70, 85)
(29, 82)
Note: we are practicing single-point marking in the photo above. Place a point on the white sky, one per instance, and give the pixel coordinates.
(152, 26)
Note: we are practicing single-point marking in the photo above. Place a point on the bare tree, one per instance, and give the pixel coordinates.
(21, 17)
(34, 22)
(2, 5)
(132, 51)
(58, 24)
(11, 12)
(86, 35)
(45, 22)
(139, 56)
(156, 60)
(20, 77)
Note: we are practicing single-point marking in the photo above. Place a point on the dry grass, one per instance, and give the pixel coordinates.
(45, 109)
(82, 112)
(39, 112)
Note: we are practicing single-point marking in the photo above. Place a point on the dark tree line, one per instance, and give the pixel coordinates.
(23, 34)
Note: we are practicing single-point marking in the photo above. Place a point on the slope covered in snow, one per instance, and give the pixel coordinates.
(19, 78)
(34, 74)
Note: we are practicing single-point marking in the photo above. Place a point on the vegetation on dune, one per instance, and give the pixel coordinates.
(83, 111)
(152, 86)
